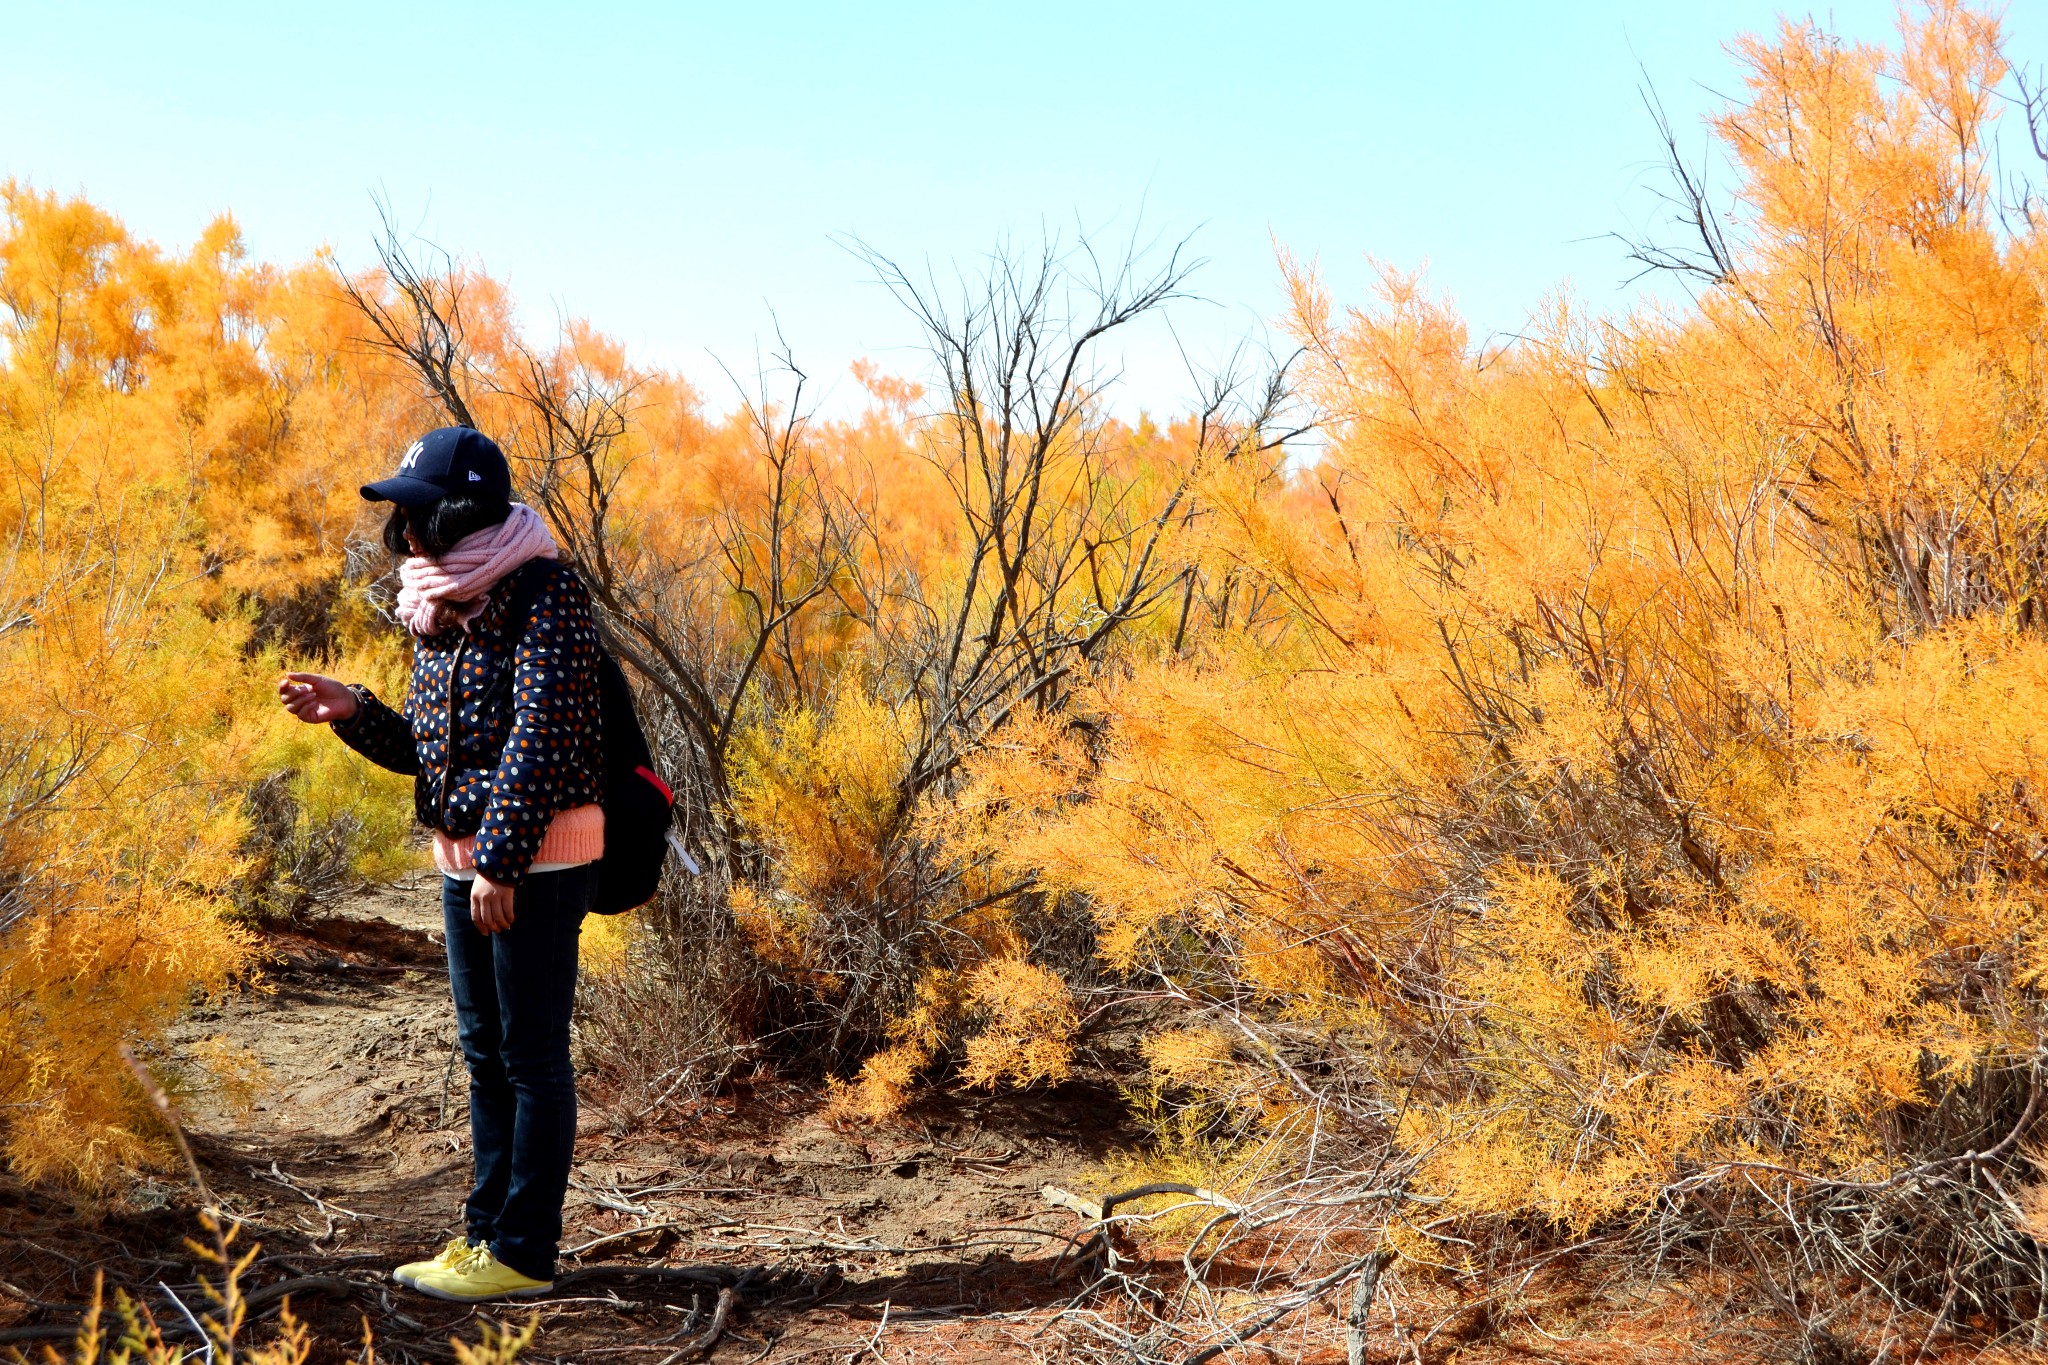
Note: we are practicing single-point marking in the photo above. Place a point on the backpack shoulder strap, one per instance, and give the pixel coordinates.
(526, 588)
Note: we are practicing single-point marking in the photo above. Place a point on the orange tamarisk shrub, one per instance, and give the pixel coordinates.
(1615, 795)
(168, 442)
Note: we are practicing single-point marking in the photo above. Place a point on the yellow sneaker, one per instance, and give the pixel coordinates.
(457, 1248)
(475, 1276)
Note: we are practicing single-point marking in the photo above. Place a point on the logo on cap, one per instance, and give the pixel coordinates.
(475, 477)
(412, 456)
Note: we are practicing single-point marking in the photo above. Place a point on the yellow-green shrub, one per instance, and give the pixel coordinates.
(324, 818)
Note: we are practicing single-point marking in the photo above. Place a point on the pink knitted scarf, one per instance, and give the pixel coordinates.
(435, 594)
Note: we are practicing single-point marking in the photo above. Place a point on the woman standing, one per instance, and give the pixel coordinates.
(500, 733)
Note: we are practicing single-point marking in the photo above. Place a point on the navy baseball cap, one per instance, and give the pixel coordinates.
(445, 460)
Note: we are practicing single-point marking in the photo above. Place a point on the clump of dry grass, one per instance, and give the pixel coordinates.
(664, 1003)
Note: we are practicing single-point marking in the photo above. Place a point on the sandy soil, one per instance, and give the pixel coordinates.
(926, 1240)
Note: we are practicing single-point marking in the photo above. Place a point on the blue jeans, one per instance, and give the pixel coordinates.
(513, 994)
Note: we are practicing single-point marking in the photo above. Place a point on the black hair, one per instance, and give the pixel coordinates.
(440, 525)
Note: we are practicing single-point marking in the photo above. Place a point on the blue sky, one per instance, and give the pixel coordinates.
(676, 172)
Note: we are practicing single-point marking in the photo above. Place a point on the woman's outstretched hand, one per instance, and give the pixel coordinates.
(316, 700)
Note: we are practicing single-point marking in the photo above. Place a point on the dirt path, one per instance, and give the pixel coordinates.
(927, 1238)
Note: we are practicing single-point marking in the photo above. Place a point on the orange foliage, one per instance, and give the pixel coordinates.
(183, 438)
(1620, 752)
(177, 435)
(1629, 748)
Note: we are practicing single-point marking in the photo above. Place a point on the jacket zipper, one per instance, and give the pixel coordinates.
(448, 764)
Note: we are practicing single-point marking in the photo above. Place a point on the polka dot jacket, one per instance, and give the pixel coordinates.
(521, 700)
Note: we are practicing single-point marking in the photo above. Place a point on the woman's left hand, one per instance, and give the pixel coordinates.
(490, 905)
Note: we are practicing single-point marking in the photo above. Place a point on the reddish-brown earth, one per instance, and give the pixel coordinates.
(924, 1240)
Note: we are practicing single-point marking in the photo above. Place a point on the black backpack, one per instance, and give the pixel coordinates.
(638, 805)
